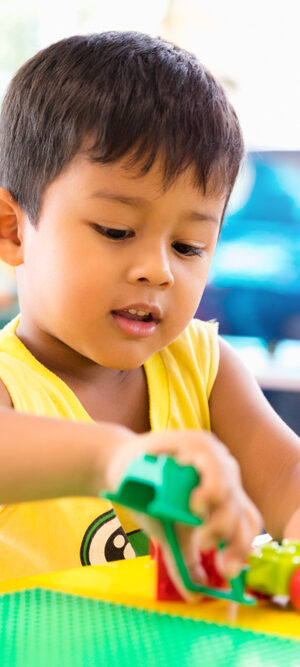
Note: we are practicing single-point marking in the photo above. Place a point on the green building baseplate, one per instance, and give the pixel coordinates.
(42, 628)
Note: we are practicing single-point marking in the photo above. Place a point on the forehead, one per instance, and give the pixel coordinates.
(124, 182)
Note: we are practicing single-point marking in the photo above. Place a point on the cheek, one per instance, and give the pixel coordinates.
(192, 282)
(192, 299)
(186, 301)
(51, 279)
(190, 290)
(82, 289)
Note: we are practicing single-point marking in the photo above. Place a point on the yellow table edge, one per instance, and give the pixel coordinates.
(132, 582)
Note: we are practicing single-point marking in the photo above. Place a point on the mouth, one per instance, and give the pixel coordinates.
(137, 315)
(139, 321)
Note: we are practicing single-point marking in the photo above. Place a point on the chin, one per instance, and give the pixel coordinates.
(121, 362)
(125, 365)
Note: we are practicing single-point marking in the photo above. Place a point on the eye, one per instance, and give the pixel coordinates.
(187, 250)
(113, 233)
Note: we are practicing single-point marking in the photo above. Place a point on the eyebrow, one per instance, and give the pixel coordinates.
(138, 202)
(122, 199)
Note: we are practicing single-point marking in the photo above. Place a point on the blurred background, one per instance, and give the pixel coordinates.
(252, 47)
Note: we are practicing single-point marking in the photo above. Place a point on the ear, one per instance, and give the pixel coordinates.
(11, 246)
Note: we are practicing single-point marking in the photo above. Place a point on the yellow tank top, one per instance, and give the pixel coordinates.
(50, 535)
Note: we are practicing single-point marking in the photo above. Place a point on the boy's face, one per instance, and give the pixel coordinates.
(109, 242)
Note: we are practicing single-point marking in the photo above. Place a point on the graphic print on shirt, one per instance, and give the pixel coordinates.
(105, 540)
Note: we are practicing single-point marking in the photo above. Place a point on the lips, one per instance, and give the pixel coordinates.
(140, 312)
(134, 315)
(138, 320)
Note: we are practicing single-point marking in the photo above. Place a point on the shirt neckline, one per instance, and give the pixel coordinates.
(156, 378)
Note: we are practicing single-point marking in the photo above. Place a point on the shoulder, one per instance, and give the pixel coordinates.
(232, 370)
(196, 350)
(233, 377)
(239, 410)
(199, 337)
(203, 336)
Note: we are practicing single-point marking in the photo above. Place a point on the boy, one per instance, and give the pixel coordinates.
(118, 153)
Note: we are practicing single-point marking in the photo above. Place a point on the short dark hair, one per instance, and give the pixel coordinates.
(131, 95)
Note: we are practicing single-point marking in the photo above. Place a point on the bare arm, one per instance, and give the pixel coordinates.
(42, 457)
(267, 450)
(46, 458)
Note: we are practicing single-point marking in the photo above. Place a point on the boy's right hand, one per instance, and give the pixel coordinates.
(229, 516)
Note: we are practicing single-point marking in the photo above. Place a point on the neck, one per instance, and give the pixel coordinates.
(64, 361)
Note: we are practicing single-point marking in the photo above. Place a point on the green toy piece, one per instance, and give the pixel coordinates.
(272, 567)
(161, 488)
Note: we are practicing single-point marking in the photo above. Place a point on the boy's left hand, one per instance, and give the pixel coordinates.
(220, 500)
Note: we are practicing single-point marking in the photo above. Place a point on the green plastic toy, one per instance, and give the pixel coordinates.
(161, 488)
(272, 566)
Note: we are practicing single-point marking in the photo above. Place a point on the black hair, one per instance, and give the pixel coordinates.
(130, 95)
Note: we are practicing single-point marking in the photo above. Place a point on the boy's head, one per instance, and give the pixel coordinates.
(124, 150)
(112, 95)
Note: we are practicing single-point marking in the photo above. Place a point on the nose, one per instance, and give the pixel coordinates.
(153, 267)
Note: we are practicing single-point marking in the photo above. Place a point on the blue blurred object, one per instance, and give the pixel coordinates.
(254, 284)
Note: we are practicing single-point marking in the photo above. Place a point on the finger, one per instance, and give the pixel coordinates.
(212, 460)
(232, 558)
(224, 522)
(189, 545)
(219, 481)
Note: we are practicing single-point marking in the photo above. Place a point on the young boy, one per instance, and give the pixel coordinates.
(118, 154)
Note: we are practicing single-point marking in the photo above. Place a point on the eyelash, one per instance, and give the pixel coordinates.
(116, 235)
(191, 249)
